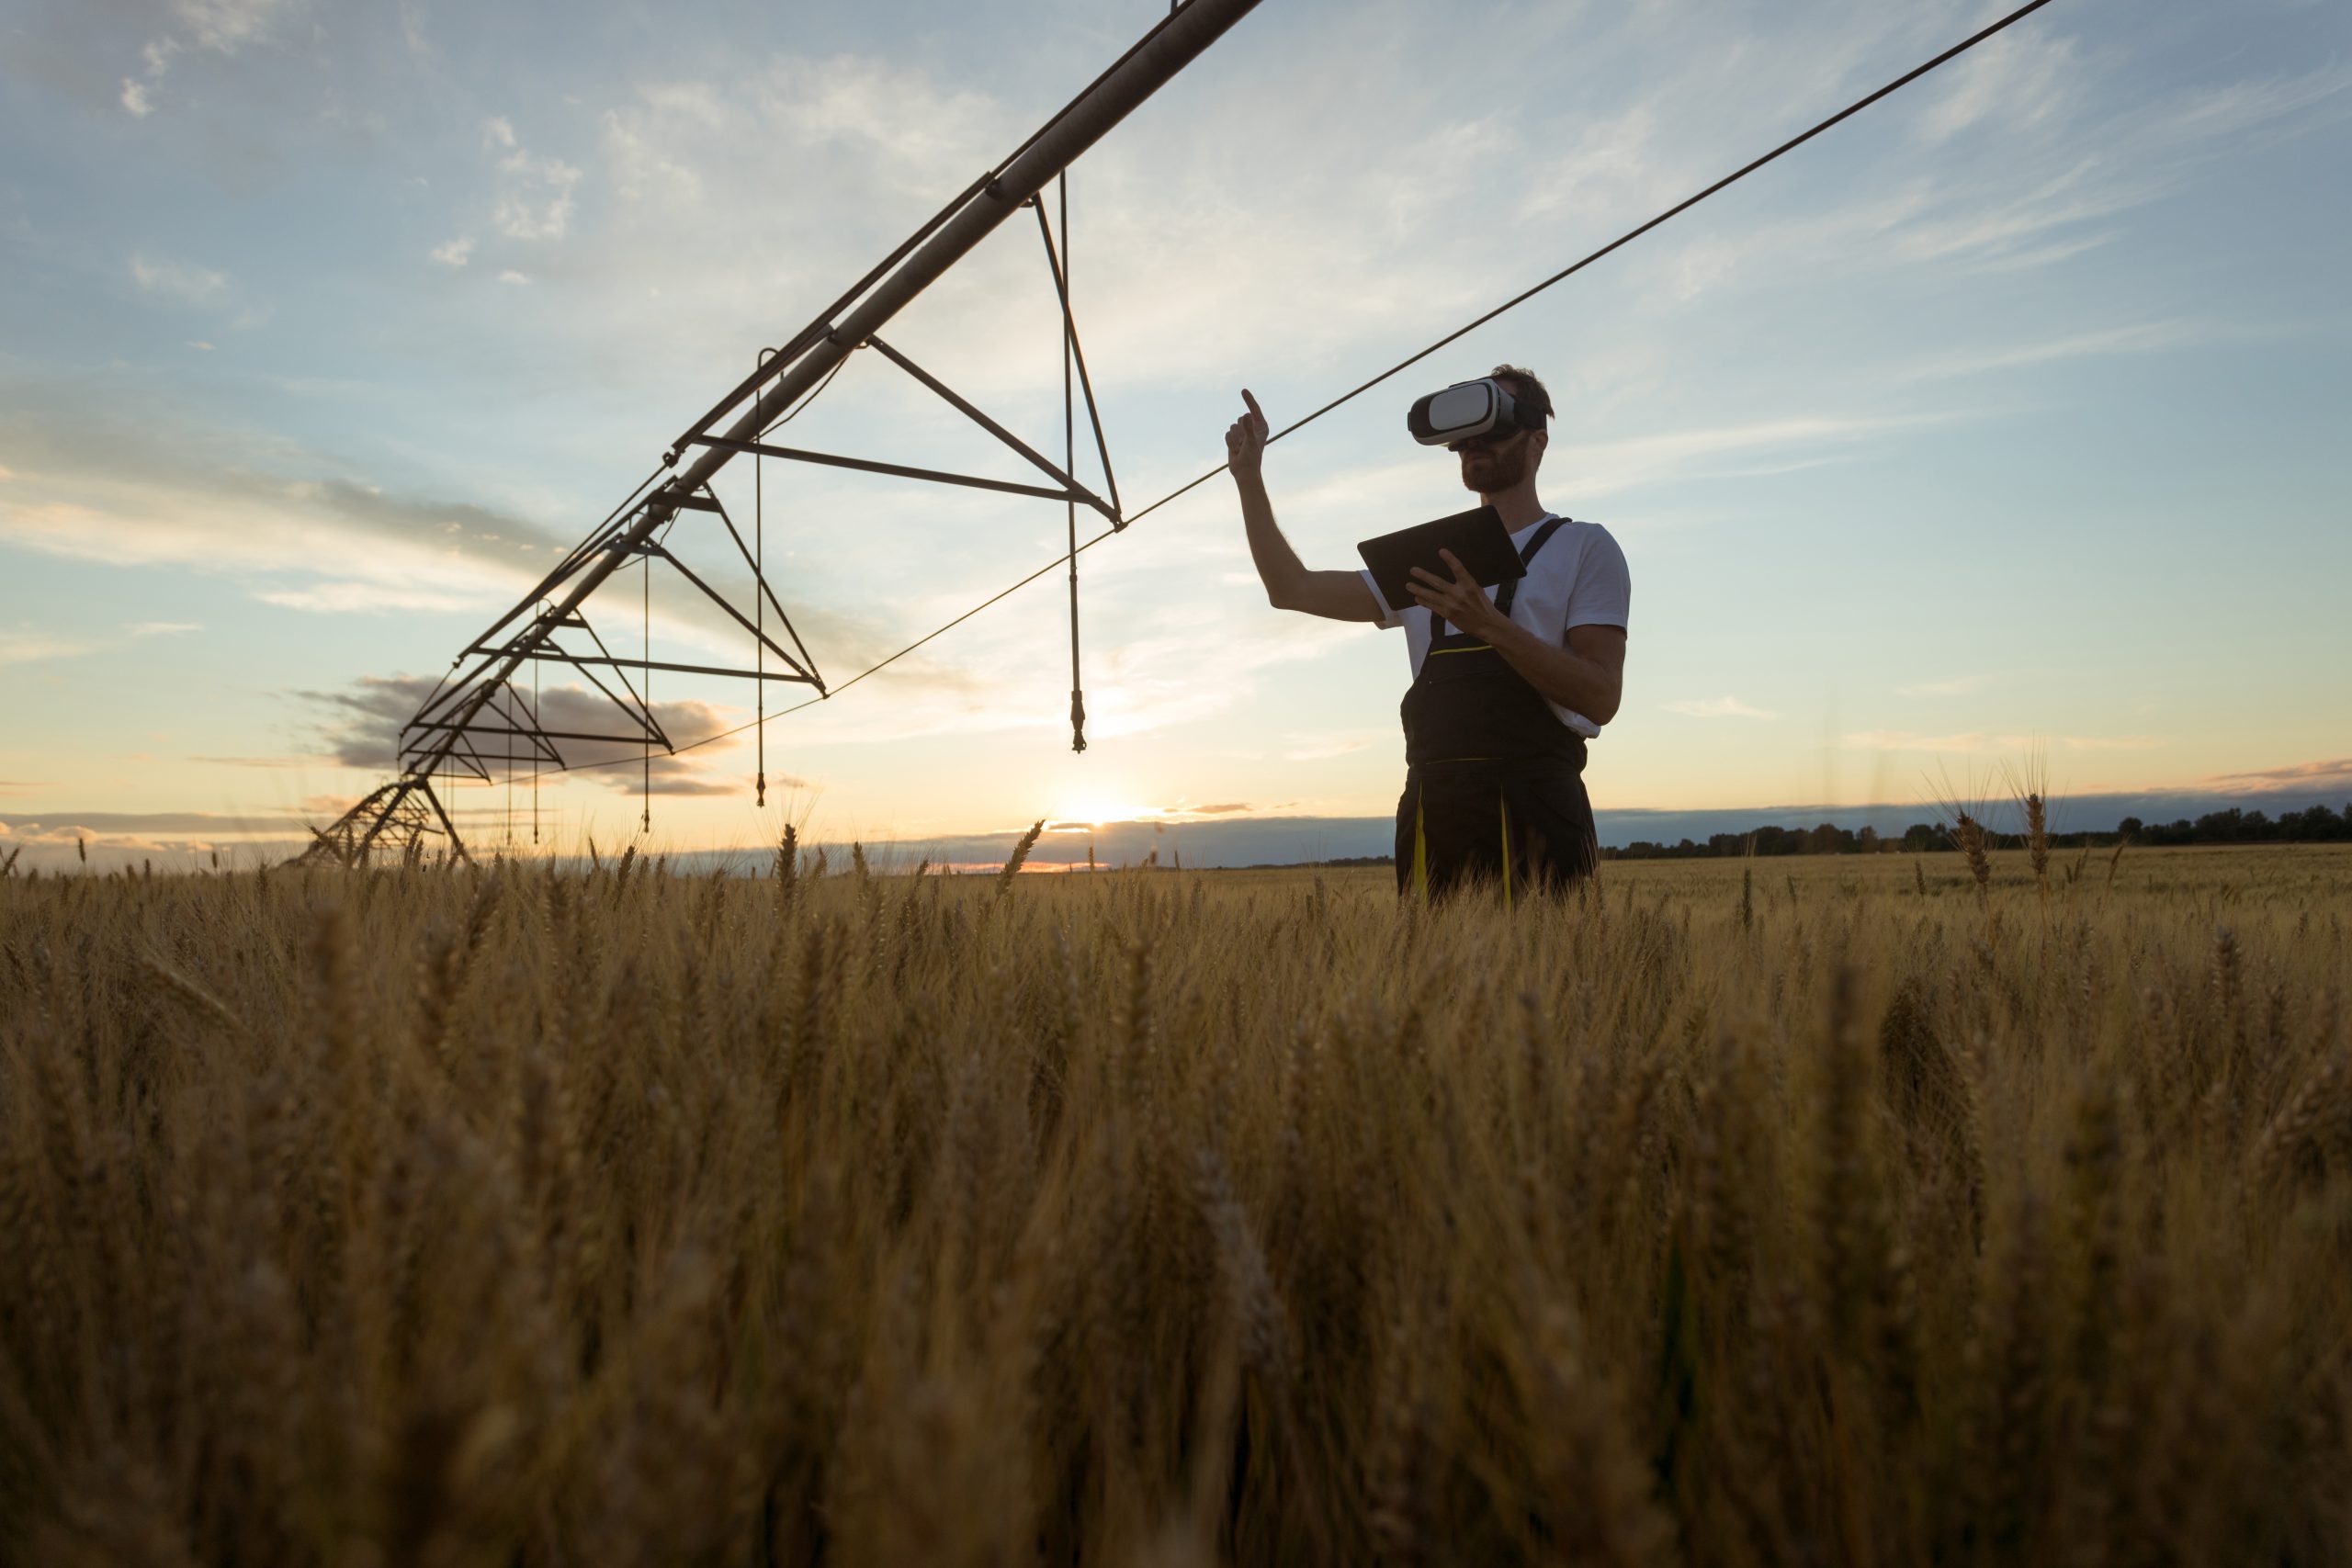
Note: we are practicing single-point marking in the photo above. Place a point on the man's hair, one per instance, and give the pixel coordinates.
(1524, 386)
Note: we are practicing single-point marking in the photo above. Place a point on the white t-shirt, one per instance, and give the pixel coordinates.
(1578, 578)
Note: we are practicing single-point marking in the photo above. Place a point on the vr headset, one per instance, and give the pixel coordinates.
(1468, 410)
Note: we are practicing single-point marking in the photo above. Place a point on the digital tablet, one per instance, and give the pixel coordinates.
(1478, 538)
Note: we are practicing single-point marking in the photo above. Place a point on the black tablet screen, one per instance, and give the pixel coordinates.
(1478, 538)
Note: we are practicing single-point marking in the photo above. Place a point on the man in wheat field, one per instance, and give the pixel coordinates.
(1509, 684)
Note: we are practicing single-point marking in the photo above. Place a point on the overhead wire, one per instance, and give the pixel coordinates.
(1068, 556)
(1627, 237)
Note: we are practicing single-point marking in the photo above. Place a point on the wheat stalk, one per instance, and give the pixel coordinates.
(1012, 863)
(189, 990)
(1256, 1216)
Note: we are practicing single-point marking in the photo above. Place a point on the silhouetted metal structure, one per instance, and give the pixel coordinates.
(479, 714)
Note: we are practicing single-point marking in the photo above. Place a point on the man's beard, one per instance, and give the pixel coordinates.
(1497, 470)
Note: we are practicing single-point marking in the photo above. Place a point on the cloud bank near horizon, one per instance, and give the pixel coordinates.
(1207, 836)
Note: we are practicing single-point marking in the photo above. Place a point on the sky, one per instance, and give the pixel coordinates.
(2001, 427)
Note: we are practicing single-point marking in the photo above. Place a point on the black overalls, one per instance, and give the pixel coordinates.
(1493, 785)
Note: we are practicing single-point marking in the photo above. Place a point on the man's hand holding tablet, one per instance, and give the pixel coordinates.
(1470, 549)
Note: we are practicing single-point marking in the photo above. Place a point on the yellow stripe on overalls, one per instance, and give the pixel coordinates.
(1422, 847)
(1420, 853)
(1502, 809)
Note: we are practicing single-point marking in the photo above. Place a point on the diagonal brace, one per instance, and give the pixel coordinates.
(1071, 487)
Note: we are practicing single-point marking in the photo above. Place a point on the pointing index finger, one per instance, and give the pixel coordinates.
(1253, 401)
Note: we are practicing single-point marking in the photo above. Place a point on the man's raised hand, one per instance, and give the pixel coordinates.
(1245, 440)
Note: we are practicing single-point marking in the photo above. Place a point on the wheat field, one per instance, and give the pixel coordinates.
(1804, 1211)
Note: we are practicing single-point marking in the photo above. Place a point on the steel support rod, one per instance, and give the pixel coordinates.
(676, 669)
(643, 738)
(869, 465)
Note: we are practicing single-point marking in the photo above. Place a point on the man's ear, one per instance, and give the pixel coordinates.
(1539, 440)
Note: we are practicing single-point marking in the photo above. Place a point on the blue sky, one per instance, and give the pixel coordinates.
(2005, 419)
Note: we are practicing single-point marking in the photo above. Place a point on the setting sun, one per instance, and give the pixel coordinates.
(1093, 811)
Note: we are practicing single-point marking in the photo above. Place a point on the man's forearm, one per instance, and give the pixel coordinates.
(1561, 675)
(1279, 567)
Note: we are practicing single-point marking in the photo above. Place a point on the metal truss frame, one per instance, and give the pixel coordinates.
(480, 699)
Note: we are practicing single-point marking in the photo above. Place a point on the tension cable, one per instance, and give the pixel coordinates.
(1627, 237)
(1077, 548)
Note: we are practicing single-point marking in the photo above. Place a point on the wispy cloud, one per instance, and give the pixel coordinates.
(2146, 337)
(1341, 743)
(326, 545)
(1953, 686)
(1910, 740)
(272, 763)
(859, 103)
(56, 825)
(2040, 155)
(227, 26)
(455, 253)
(369, 599)
(177, 280)
(2013, 81)
(534, 199)
(1624, 463)
(1977, 743)
(2089, 742)
(138, 91)
(1724, 451)
(222, 27)
(198, 499)
(25, 644)
(2336, 771)
(28, 645)
(2212, 111)
(1718, 707)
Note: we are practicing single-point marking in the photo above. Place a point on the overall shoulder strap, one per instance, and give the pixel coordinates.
(1509, 593)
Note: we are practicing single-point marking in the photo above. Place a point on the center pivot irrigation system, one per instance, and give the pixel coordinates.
(478, 719)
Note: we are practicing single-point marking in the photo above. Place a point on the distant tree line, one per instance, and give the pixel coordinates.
(2319, 825)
